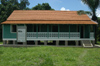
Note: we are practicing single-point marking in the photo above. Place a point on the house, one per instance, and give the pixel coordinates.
(47, 26)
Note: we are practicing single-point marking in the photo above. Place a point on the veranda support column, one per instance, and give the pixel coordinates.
(45, 42)
(76, 43)
(47, 31)
(57, 43)
(36, 31)
(69, 31)
(66, 43)
(36, 42)
(58, 30)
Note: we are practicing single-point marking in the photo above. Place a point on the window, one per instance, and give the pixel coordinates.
(13, 28)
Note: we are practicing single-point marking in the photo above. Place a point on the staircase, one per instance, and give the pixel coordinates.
(87, 43)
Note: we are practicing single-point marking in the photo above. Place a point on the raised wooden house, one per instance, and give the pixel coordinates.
(44, 26)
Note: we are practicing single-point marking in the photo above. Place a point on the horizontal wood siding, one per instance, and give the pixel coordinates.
(7, 32)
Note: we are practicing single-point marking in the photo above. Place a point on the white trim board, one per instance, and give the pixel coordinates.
(47, 39)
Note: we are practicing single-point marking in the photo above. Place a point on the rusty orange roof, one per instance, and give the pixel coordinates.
(47, 17)
(49, 22)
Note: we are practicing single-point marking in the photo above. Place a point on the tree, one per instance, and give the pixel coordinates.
(93, 5)
(43, 6)
(80, 12)
(7, 7)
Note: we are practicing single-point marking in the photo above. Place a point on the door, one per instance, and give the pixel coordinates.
(82, 32)
(21, 33)
(87, 31)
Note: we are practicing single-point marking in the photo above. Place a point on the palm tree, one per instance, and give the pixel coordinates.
(93, 5)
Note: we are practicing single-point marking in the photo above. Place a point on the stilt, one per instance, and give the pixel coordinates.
(4, 42)
(24, 43)
(36, 42)
(45, 42)
(14, 42)
(76, 43)
(66, 43)
(7, 42)
(93, 42)
(57, 43)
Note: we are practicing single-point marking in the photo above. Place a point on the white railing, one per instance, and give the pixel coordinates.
(53, 35)
(92, 35)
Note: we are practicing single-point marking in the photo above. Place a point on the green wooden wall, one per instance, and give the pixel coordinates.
(63, 28)
(7, 32)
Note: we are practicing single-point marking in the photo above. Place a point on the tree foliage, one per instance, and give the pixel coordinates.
(80, 12)
(43, 6)
(8, 6)
(93, 5)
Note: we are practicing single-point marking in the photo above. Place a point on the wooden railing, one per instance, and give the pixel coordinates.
(53, 35)
(92, 35)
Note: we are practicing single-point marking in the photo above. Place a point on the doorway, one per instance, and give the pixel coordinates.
(82, 32)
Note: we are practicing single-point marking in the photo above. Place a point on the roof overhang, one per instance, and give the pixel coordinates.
(49, 22)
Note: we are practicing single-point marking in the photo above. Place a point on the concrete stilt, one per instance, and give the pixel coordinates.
(36, 42)
(93, 42)
(4, 42)
(66, 43)
(24, 43)
(45, 42)
(14, 42)
(7, 42)
(57, 43)
(76, 43)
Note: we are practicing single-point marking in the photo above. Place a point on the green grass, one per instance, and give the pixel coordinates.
(49, 56)
(98, 42)
(1, 42)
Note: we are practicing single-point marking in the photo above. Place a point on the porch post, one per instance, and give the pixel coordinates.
(89, 31)
(47, 31)
(58, 30)
(80, 30)
(95, 34)
(36, 31)
(69, 31)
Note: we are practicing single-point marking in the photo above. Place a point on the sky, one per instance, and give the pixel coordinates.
(72, 5)
(69, 5)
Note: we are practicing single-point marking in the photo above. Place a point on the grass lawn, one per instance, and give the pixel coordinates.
(98, 42)
(1, 42)
(49, 56)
